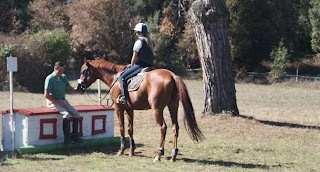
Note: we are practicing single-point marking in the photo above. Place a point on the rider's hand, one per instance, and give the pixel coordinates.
(129, 65)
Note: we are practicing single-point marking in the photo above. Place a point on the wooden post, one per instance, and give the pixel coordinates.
(99, 91)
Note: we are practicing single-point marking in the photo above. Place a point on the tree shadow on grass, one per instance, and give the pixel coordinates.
(229, 163)
(279, 124)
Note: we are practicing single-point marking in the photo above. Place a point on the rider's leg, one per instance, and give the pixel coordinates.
(132, 71)
(123, 84)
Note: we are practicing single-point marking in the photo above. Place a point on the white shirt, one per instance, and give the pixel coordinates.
(137, 45)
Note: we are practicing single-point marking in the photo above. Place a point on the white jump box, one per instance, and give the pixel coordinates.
(43, 126)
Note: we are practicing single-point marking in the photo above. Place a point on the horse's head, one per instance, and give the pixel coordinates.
(87, 77)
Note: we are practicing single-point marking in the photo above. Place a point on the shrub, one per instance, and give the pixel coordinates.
(6, 17)
(103, 28)
(187, 50)
(36, 54)
(314, 14)
(280, 56)
(48, 15)
(6, 50)
(165, 36)
(52, 46)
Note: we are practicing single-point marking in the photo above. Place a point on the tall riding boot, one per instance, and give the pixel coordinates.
(125, 91)
(123, 98)
(66, 131)
(123, 85)
(75, 134)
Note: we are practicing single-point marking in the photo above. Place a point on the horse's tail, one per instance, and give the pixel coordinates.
(190, 122)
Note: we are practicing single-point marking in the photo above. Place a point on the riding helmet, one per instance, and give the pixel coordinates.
(141, 27)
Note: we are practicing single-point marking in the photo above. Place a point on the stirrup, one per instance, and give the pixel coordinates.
(122, 100)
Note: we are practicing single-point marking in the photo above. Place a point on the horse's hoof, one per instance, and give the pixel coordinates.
(156, 159)
(131, 154)
(173, 159)
(120, 152)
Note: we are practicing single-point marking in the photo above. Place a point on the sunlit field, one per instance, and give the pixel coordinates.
(278, 130)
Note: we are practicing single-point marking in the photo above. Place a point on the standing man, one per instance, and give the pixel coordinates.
(54, 91)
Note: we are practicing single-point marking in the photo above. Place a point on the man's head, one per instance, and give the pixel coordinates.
(58, 68)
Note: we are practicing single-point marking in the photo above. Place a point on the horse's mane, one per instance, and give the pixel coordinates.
(102, 64)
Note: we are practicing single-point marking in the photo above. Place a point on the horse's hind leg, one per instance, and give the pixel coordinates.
(173, 108)
(130, 132)
(158, 114)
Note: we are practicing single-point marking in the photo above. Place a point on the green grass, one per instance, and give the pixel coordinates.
(278, 131)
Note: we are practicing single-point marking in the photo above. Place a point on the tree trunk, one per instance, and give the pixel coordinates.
(209, 21)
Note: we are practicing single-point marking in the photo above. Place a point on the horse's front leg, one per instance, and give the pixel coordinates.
(158, 114)
(120, 114)
(130, 131)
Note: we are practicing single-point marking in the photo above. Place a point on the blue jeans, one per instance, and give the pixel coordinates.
(129, 73)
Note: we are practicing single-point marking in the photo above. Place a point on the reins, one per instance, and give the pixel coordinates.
(86, 89)
(108, 91)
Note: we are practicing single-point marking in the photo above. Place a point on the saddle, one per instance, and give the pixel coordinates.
(135, 82)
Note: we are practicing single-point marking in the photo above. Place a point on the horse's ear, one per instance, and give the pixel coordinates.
(84, 59)
(87, 63)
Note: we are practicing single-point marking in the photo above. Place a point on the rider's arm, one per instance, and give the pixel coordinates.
(136, 48)
(134, 58)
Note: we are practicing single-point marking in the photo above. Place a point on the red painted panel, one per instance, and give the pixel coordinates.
(54, 129)
(35, 111)
(93, 126)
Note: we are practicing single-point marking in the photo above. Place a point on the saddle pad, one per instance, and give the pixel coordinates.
(135, 82)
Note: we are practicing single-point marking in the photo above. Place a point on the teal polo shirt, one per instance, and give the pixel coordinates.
(56, 85)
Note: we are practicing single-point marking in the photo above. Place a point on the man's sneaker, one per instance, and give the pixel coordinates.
(122, 100)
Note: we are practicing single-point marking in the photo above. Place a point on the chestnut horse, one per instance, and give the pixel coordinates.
(160, 88)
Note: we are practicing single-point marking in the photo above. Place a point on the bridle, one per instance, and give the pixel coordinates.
(81, 85)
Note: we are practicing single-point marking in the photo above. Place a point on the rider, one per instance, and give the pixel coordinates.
(142, 57)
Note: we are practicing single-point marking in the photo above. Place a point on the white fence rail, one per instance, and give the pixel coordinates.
(295, 77)
(288, 76)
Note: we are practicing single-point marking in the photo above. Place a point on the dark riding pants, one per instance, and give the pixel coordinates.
(129, 73)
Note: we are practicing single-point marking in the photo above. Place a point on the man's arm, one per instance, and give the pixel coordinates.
(72, 90)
